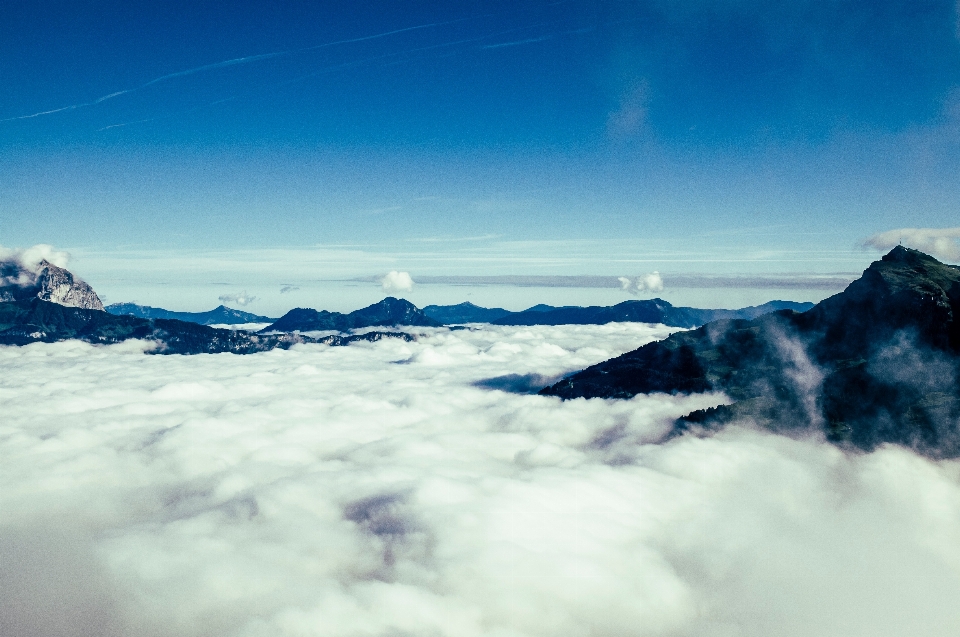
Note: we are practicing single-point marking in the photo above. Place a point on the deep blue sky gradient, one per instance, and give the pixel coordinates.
(694, 127)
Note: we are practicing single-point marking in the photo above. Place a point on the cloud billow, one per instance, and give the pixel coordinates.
(396, 282)
(240, 298)
(333, 491)
(652, 282)
(943, 243)
(19, 266)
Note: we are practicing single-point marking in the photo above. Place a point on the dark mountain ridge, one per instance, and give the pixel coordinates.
(636, 311)
(390, 312)
(396, 312)
(221, 315)
(464, 313)
(35, 320)
(877, 363)
(641, 311)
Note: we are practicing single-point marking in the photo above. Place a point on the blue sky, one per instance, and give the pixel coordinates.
(566, 137)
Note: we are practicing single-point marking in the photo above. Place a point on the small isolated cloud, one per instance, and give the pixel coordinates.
(241, 298)
(30, 258)
(652, 282)
(288, 288)
(396, 282)
(943, 243)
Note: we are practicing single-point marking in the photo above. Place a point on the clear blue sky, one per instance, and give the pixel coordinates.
(665, 131)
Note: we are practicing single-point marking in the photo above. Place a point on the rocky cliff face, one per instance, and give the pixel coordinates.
(60, 286)
(48, 283)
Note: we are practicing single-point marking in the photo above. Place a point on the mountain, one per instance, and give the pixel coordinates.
(645, 311)
(222, 315)
(752, 311)
(464, 313)
(652, 311)
(877, 363)
(35, 320)
(541, 307)
(48, 282)
(390, 312)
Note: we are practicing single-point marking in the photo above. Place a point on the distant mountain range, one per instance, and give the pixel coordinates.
(877, 363)
(48, 303)
(222, 315)
(397, 312)
(645, 311)
(638, 311)
(35, 320)
(388, 312)
(464, 313)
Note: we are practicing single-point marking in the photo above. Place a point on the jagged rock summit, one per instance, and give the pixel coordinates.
(49, 283)
(877, 363)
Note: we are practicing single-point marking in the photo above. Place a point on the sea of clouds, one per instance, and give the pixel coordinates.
(384, 489)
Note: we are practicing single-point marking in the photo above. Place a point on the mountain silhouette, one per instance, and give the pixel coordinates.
(876, 363)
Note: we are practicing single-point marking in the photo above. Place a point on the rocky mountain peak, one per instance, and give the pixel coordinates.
(58, 285)
(47, 282)
(878, 363)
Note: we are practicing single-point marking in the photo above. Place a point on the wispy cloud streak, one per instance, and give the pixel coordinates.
(385, 34)
(224, 64)
(73, 106)
(534, 40)
(501, 45)
(162, 117)
(217, 65)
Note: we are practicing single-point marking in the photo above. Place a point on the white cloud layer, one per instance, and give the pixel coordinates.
(376, 490)
(396, 282)
(652, 282)
(240, 298)
(942, 243)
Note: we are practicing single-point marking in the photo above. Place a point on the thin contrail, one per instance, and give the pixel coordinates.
(216, 65)
(162, 78)
(541, 38)
(71, 107)
(232, 62)
(501, 45)
(159, 117)
(383, 35)
(395, 54)
(360, 62)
